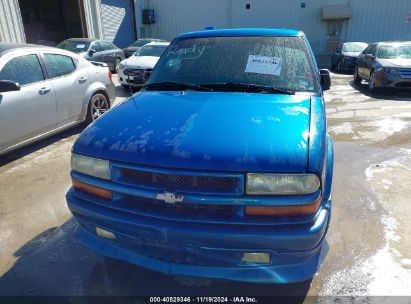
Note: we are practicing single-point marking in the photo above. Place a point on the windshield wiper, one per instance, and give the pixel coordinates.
(176, 85)
(248, 87)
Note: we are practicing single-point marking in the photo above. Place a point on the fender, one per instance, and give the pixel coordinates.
(329, 165)
(317, 141)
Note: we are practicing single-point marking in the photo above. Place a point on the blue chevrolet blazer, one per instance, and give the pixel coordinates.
(220, 167)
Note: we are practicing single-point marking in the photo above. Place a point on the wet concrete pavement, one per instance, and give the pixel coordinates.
(367, 251)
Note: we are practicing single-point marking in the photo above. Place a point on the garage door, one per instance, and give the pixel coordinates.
(118, 22)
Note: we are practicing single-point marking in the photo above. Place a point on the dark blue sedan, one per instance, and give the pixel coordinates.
(345, 56)
(221, 167)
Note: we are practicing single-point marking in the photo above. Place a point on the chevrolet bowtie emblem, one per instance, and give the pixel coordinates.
(170, 198)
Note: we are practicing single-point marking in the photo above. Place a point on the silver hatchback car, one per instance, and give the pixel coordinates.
(45, 90)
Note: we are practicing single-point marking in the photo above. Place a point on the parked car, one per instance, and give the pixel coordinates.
(136, 45)
(131, 70)
(95, 50)
(45, 90)
(220, 167)
(385, 65)
(345, 56)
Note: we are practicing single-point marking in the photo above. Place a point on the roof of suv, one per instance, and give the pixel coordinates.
(242, 32)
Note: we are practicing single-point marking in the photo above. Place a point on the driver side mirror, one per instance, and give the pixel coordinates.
(91, 52)
(325, 79)
(147, 74)
(9, 86)
(369, 56)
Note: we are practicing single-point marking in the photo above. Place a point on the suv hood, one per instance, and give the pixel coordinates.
(141, 62)
(204, 130)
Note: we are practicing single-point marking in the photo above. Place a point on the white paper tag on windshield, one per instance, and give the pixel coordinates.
(81, 46)
(263, 65)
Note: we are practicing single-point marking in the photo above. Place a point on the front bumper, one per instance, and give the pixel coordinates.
(134, 81)
(393, 81)
(200, 250)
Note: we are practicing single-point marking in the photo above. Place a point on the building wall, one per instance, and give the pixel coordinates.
(313, 26)
(371, 20)
(379, 20)
(265, 13)
(177, 16)
(11, 24)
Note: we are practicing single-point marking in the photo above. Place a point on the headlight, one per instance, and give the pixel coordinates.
(281, 184)
(391, 71)
(90, 166)
(120, 66)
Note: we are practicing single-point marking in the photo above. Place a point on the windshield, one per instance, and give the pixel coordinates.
(354, 47)
(150, 50)
(393, 52)
(74, 46)
(280, 62)
(140, 42)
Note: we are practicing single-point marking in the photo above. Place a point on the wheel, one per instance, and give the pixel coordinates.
(116, 63)
(98, 105)
(357, 78)
(371, 83)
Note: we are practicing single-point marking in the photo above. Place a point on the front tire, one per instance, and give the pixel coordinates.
(115, 65)
(98, 105)
(371, 83)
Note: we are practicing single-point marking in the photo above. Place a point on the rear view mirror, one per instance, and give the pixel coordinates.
(8, 86)
(325, 79)
(147, 74)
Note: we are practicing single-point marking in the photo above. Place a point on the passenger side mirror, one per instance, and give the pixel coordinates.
(91, 52)
(369, 56)
(9, 86)
(147, 74)
(325, 79)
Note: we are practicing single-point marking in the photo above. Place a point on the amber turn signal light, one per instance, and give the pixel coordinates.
(283, 210)
(92, 189)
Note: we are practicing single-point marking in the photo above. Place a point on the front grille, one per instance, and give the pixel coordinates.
(180, 182)
(187, 211)
(405, 73)
(134, 72)
(134, 80)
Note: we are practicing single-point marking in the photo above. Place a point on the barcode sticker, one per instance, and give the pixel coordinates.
(263, 65)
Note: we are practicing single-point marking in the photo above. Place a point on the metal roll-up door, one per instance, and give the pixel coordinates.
(118, 24)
